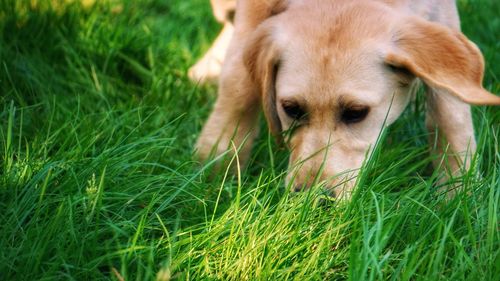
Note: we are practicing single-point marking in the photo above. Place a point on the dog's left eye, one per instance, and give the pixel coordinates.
(293, 111)
(354, 115)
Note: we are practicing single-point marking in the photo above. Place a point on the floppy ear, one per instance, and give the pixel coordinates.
(261, 59)
(443, 58)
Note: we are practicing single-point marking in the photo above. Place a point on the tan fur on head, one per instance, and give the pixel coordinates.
(254, 12)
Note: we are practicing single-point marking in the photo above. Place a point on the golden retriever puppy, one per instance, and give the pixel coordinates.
(331, 74)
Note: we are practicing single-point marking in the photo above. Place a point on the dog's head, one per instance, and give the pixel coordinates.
(331, 78)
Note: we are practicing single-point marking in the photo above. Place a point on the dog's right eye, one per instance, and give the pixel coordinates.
(293, 111)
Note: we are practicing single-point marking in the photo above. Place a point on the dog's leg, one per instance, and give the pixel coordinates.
(223, 9)
(209, 66)
(449, 121)
(233, 119)
(232, 123)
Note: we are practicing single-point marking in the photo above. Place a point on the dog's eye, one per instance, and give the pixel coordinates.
(293, 110)
(354, 115)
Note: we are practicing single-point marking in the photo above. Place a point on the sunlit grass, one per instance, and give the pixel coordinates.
(98, 181)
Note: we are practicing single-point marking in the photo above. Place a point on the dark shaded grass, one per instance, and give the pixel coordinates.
(98, 182)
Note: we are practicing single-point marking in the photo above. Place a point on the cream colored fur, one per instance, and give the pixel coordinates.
(330, 57)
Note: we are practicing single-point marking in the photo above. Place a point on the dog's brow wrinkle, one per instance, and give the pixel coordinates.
(345, 102)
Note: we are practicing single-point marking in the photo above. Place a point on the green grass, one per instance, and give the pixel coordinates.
(98, 181)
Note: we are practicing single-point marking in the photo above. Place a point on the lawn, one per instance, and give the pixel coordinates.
(98, 181)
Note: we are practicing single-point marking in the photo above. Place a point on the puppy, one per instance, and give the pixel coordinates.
(331, 74)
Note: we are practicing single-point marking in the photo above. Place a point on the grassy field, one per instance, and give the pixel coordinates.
(98, 182)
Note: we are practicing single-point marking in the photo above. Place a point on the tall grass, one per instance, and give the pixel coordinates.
(97, 178)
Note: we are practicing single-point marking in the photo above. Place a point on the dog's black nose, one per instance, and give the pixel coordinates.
(297, 188)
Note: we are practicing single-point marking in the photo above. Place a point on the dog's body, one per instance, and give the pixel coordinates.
(333, 73)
